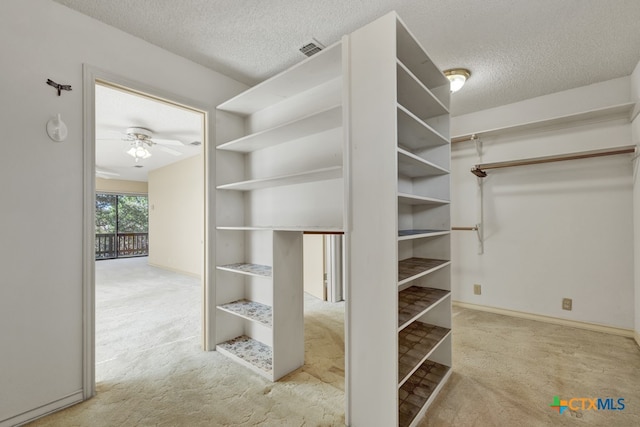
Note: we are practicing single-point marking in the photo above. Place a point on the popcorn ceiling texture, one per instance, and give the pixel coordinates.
(515, 49)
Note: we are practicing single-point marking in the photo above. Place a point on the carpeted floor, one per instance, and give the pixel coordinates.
(151, 371)
(506, 370)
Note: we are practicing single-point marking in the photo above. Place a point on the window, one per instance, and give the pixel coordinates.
(122, 226)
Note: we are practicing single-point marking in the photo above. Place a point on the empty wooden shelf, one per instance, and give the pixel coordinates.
(317, 70)
(415, 134)
(415, 343)
(314, 123)
(411, 199)
(333, 172)
(414, 166)
(249, 310)
(420, 233)
(415, 301)
(249, 269)
(412, 94)
(412, 268)
(250, 353)
(416, 393)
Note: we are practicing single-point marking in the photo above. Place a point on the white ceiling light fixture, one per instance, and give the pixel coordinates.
(457, 78)
(138, 150)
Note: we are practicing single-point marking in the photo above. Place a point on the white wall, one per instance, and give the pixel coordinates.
(635, 96)
(553, 230)
(176, 216)
(42, 185)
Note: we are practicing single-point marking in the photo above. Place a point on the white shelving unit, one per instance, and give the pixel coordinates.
(259, 299)
(400, 307)
(624, 110)
(352, 140)
(279, 172)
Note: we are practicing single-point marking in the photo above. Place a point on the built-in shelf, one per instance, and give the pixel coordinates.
(419, 234)
(415, 301)
(416, 97)
(323, 174)
(413, 268)
(304, 229)
(410, 199)
(414, 57)
(312, 124)
(249, 310)
(606, 113)
(316, 70)
(415, 134)
(248, 269)
(415, 344)
(418, 391)
(250, 353)
(415, 167)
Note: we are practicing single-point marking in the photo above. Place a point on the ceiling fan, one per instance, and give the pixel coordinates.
(141, 140)
(102, 172)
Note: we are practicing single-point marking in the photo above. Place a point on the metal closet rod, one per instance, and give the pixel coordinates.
(465, 228)
(479, 169)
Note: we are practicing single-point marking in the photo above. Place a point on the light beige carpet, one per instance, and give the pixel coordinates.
(151, 371)
(506, 370)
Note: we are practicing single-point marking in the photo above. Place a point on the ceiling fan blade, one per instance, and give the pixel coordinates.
(105, 173)
(173, 142)
(170, 151)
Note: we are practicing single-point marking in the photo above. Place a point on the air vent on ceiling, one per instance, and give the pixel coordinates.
(138, 166)
(312, 48)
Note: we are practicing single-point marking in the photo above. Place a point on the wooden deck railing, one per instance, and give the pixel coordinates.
(121, 245)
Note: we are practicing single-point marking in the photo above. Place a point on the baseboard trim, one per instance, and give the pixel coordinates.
(175, 270)
(41, 411)
(629, 333)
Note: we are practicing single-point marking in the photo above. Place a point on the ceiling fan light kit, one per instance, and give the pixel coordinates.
(138, 150)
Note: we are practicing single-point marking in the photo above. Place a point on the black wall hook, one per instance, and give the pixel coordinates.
(58, 86)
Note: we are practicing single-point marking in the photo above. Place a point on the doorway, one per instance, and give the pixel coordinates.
(148, 142)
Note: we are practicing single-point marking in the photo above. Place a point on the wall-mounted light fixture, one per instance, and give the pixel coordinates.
(457, 77)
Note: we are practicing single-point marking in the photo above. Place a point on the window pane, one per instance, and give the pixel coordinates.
(133, 214)
(105, 213)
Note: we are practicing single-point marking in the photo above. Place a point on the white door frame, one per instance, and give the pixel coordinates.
(90, 76)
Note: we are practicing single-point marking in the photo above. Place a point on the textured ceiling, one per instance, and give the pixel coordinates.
(515, 49)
